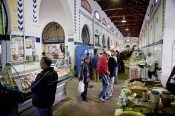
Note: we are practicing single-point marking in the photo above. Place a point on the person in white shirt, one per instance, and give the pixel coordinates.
(151, 64)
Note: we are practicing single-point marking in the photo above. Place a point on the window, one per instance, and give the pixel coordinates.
(155, 2)
(85, 4)
(151, 10)
(112, 29)
(109, 26)
(104, 21)
(97, 15)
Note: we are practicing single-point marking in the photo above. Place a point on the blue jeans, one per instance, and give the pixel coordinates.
(105, 86)
(44, 111)
(116, 75)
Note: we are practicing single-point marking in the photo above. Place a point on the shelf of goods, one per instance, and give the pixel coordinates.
(16, 94)
(144, 98)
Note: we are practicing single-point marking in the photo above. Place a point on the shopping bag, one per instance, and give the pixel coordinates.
(81, 87)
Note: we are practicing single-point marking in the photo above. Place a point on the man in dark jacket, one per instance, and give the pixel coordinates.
(85, 75)
(44, 88)
(94, 65)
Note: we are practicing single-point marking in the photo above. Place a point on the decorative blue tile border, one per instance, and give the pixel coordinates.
(91, 19)
(75, 13)
(20, 15)
(154, 44)
(80, 12)
(34, 10)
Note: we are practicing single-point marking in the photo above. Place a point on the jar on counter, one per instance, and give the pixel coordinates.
(166, 97)
(145, 95)
(154, 97)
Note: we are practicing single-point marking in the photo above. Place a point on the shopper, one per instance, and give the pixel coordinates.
(44, 88)
(115, 64)
(102, 67)
(112, 64)
(85, 76)
(67, 61)
(94, 66)
(43, 54)
(150, 64)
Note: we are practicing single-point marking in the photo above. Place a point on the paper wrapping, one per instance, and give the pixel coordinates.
(139, 72)
(146, 73)
(134, 73)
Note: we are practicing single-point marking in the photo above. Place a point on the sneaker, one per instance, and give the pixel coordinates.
(110, 95)
(101, 99)
(106, 98)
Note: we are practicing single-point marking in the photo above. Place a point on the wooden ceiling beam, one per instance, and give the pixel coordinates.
(130, 29)
(126, 24)
(128, 20)
(125, 7)
(120, 15)
(141, 1)
(107, 5)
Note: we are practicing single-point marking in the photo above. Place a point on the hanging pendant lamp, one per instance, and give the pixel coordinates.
(123, 20)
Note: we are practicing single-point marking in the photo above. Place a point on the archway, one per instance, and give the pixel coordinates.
(108, 43)
(127, 46)
(134, 47)
(85, 36)
(53, 34)
(103, 41)
(116, 44)
(53, 38)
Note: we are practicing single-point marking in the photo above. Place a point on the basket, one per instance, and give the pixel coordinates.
(138, 91)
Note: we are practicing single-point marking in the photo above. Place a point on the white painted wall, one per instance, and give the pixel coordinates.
(153, 31)
(168, 37)
(159, 29)
(62, 12)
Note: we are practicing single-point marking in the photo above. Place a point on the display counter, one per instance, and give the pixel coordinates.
(141, 98)
(17, 97)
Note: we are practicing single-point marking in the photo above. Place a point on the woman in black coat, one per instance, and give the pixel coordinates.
(112, 64)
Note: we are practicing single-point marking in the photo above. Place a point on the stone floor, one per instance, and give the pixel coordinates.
(73, 105)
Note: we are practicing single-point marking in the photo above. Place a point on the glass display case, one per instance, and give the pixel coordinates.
(16, 80)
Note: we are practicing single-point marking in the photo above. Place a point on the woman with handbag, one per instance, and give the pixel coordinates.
(85, 76)
(170, 85)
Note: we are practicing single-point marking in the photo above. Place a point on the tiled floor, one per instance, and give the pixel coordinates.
(74, 106)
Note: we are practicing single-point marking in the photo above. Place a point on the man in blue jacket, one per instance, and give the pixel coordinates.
(94, 66)
(44, 88)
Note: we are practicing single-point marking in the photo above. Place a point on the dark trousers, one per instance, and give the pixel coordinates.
(150, 74)
(84, 94)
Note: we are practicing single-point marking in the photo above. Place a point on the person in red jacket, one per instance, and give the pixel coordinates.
(102, 67)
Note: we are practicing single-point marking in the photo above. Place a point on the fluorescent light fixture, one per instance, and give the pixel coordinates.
(127, 40)
(126, 29)
(123, 20)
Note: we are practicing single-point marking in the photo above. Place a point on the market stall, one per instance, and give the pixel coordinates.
(139, 98)
(17, 78)
(136, 68)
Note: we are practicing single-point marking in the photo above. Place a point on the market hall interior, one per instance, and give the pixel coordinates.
(71, 29)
